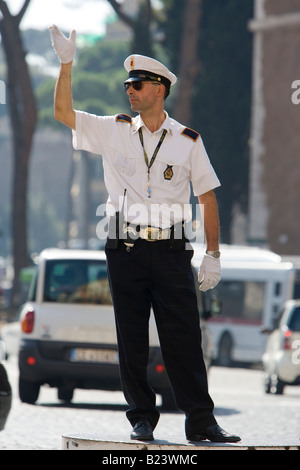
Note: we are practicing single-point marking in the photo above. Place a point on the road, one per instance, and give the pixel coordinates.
(241, 407)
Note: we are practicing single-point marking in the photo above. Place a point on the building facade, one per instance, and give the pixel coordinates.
(274, 199)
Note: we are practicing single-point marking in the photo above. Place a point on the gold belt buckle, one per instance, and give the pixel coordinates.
(148, 233)
(152, 234)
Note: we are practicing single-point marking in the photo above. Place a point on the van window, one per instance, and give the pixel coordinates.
(294, 323)
(33, 286)
(77, 281)
(241, 299)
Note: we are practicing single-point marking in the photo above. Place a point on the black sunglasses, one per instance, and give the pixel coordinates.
(138, 85)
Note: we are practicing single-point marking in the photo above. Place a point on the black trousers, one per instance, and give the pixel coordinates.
(151, 275)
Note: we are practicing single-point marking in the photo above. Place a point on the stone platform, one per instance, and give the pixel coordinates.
(93, 442)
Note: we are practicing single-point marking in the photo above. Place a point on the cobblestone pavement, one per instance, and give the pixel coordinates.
(241, 407)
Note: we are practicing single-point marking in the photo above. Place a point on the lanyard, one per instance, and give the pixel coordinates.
(149, 165)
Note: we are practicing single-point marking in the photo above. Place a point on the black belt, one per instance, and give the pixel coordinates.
(175, 234)
(129, 233)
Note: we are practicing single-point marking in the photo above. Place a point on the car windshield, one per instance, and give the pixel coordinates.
(294, 323)
(77, 281)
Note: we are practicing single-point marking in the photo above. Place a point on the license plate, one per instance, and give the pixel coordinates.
(94, 355)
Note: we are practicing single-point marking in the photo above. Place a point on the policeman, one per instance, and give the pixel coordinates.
(149, 162)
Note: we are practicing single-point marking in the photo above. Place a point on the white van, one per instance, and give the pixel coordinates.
(68, 338)
(254, 286)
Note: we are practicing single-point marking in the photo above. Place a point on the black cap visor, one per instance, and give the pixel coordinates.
(143, 76)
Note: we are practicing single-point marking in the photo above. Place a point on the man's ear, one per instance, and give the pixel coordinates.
(161, 90)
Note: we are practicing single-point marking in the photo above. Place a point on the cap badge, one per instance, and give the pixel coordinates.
(132, 63)
(168, 173)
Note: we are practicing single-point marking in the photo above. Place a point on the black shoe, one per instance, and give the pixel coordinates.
(213, 433)
(142, 431)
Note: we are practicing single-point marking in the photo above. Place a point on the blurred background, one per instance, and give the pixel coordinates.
(238, 69)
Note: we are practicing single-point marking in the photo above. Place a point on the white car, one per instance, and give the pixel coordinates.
(68, 337)
(281, 359)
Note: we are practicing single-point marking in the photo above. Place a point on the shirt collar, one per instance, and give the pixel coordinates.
(138, 123)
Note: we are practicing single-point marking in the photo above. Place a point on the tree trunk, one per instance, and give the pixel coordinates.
(189, 65)
(23, 114)
(141, 26)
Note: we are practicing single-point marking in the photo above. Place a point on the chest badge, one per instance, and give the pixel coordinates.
(168, 173)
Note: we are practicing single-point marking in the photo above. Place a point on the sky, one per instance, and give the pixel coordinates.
(88, 17)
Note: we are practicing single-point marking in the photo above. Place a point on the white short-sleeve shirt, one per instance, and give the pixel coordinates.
(184, 156)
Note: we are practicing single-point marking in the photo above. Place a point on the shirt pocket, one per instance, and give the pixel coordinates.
(122, 154)
(125, 165)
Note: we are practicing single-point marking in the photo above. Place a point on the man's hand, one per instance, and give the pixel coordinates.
(65, 48)
(209, 273)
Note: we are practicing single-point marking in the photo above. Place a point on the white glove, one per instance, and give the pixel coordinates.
(65, 48)
(209, 273)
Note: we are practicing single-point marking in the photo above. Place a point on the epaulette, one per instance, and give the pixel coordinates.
(190, 133)
(123, 118)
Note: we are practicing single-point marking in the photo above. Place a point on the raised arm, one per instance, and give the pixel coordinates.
(63, 102)
(65, 49)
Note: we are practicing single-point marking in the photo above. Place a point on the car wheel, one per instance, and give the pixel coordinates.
(28, 391)
(5, 397)
(277, 385)
(65, 394)
(5, 406)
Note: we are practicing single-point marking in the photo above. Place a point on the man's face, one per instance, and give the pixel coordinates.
(142, 95)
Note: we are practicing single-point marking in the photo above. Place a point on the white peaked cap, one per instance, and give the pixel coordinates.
(140, 67)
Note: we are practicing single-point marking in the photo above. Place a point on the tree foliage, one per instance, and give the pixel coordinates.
(141, 26)
(223, 99)
(222, 92)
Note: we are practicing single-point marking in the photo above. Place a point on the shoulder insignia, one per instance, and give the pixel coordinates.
(190, 133)
(123, 118)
